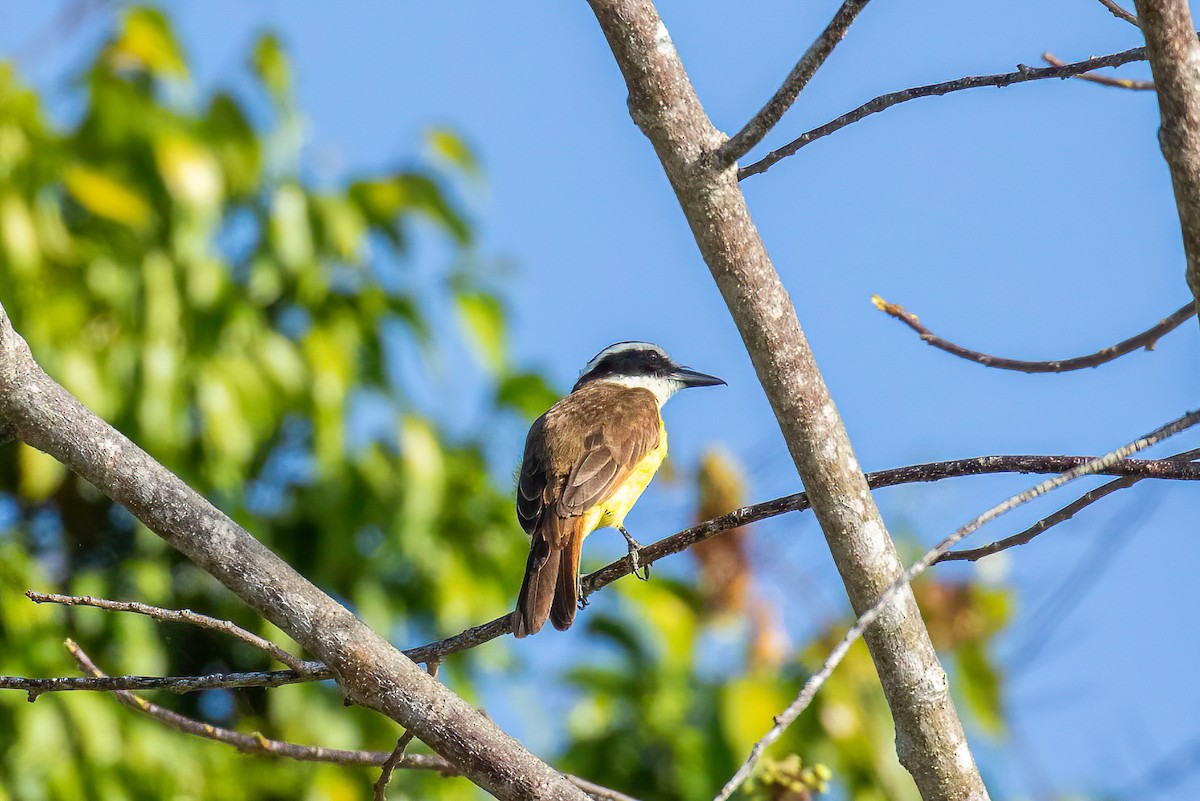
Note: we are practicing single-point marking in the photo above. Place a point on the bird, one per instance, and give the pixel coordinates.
(586, 462)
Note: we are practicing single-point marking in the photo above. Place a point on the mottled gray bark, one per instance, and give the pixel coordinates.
(370, 671)
(663, 103)
(1174, 55)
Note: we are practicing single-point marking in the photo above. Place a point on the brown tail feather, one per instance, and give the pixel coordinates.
(566, 592)
(537, 588)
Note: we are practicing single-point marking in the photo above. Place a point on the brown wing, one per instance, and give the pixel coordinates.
(576, 455)
(579, 452)
(610, 454)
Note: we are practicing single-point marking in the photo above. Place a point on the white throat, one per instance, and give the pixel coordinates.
(663, 388)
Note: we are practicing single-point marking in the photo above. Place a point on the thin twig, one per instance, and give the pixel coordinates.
(175, 684)
(258, 744)
(389, 765)
(761, 123)
(174, 616)
(598, 791)
(1061, 516)
(784, 719)
(1121, 13)
(252, 743)
(1161, 469)
(1146, 339)
(882, 102)
(1103, 80)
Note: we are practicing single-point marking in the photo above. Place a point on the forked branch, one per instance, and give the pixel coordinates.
(752, 133)
(883, 102)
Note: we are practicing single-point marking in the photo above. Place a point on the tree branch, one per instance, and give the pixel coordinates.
(258, 744)
(1174, 468)
(753, 132)
(1061, 516)
(174, 616)
(663, 103)
(174, 684)
(251, 743)
(369, 670)
(1146, 339)
(1174, 55)
(866, 618)
(1103, 80)
(1121, 13)
(882, 102)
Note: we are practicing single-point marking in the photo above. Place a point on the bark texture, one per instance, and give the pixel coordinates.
(370, 671)
(664, 105)
(1174, 54)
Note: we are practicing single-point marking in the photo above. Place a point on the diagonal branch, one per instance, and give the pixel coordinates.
(761, 123)
(808, 692)
(174, 616)
(369, 670)
(1175, 468)
(1146, 339)
(883, 102)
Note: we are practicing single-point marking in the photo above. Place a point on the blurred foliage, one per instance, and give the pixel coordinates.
(169, 262)
(261, 334)
(788, 779)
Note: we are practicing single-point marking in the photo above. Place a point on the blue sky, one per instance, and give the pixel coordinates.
(1034, 221)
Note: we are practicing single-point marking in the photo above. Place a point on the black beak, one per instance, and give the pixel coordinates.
(692, 378)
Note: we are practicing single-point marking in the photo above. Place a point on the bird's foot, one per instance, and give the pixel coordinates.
(634, 547)
(581, 594)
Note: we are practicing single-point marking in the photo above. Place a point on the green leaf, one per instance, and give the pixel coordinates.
(190, 172)
(146, 42)
(979, 682)
(234, 143)
(448, 145)
(105, 196)
(482, 317)
(272, 67)
(41, 475)
(290, 232)
(529, 394)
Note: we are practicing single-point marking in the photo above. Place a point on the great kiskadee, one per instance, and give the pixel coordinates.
(586, 462)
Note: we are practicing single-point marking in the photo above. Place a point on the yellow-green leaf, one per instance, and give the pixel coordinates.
(450, 146)
(41, 475)
(105, 196)
(482, 317)
(147, 42)
(190, 172)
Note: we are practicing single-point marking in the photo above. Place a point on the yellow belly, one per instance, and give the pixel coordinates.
(612, 512)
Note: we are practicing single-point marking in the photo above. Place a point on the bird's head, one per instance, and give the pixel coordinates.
(642, 364)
